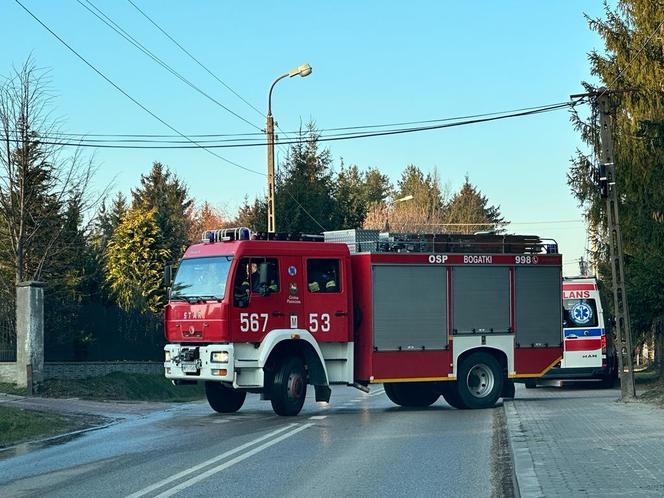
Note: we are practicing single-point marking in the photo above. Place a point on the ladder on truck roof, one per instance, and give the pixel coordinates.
(359, 240)
(374, 241)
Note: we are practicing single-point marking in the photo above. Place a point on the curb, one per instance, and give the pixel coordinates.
(526, 484)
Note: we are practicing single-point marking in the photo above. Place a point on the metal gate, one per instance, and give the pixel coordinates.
(7, 331)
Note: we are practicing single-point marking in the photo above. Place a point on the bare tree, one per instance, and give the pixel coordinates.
(39, 182)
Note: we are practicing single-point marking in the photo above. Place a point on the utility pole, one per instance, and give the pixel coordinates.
(271, 223)
(609, 189)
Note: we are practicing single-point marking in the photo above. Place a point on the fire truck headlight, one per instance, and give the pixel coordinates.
(167, 356)
(219, 357)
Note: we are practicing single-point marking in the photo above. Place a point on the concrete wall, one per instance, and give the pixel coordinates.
(82, 370)
(73, 370)
(8, 372)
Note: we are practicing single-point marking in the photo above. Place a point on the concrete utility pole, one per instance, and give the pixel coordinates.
(609, 189)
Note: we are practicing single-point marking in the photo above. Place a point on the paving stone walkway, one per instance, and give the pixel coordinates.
(583, 442)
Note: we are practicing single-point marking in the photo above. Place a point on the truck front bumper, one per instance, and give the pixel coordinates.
(189, 362)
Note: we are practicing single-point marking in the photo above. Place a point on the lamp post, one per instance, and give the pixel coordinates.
(303, 70)
(386, 228)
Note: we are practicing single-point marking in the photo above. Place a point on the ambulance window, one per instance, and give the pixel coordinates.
(323, 275)
(247, 279)
(579, 313)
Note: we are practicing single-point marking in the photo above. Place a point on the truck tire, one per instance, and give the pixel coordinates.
(289, 387)
(451, 395)
(224, 399)
(508, 389)
(480, 380)
(394, 393)
(412, 394)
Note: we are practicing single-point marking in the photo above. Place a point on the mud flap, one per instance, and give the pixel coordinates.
(323, 393)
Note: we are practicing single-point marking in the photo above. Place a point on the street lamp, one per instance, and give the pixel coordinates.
(386, 228)
(303, 70)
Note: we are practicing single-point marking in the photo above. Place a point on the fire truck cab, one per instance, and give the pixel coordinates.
(424, 317)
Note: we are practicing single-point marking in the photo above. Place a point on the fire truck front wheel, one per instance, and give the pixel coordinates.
(224, 399)
(289, 387)
(480, 380)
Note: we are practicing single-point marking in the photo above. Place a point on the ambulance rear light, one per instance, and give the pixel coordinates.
(603, 344)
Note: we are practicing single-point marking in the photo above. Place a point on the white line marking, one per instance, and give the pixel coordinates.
(184, 473)
(230, 463)
(318, 417)
(377, 393)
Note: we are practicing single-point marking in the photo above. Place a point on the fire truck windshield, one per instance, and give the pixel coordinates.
(201, 278)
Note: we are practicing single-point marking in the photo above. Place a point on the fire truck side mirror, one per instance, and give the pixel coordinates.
(262, 279)
(168, 275)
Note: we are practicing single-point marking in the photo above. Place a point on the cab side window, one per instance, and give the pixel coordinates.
(247, 279)
(323, 276)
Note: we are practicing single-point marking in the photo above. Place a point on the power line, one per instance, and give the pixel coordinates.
(127, 36)
(322, 130)
(330, 138)
(91, 66)
(150, 112)
(194, 58)
(205, 68)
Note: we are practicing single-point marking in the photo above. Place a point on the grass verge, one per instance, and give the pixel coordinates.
(646, 376)
(18, 425)
(121, 386)
(655, 394)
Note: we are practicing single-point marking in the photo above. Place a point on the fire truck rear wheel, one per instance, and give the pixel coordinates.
(289, 387)
(412, 394)
(480, 380)
(224, 399)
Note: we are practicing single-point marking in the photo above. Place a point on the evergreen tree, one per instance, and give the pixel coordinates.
(350, 195)
(167, 195)
(377, 187)
(108, 220)
(304, 192)
(135, 260)
(253, 216)
(39, 184)
(632, 60)
(470, 206)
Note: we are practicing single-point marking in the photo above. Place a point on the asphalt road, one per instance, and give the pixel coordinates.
(358, 445)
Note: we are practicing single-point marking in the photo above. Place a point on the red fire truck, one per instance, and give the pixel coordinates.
(460, 316)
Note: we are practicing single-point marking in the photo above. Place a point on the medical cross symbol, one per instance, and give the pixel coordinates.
(581, 313)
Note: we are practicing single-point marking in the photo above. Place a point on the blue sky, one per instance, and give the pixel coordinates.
(373, 62)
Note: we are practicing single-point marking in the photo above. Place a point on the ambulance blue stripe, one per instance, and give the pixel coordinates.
(596, 332)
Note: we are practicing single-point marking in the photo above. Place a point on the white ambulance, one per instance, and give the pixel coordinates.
(587, 349)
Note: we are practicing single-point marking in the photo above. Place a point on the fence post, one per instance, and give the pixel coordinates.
(29, 334)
